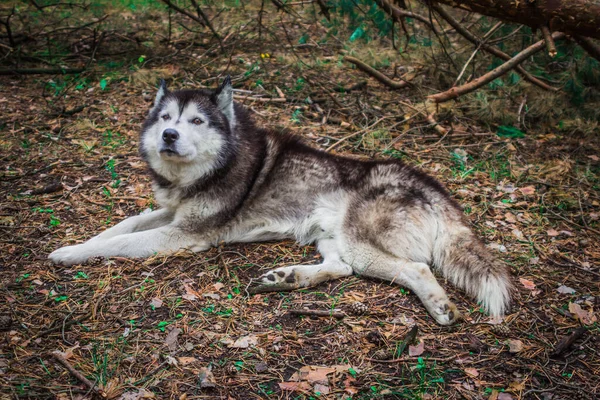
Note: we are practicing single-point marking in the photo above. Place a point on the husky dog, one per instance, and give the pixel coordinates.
(218, 177)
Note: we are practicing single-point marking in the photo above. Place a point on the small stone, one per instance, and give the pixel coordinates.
(358, 308)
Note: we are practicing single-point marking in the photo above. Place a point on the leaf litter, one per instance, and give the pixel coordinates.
(533, 200)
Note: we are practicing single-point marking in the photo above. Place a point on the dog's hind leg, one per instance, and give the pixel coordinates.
(417, 277)
(300, 276)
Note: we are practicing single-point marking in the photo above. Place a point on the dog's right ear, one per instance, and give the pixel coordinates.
(162, 91)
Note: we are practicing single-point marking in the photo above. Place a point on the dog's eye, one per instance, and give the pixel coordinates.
(197, 121)
(166, 117)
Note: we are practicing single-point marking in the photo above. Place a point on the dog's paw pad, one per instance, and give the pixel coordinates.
(283, 279)
(278, 276)
(445, 312)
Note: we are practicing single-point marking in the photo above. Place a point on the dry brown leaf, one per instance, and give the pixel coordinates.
(586, 317)
(156, 303)
(527, 284)
(186, 360)
(510, 217)
(67, 353)
(140, 394)
(171, 340)
(321, 389)
(527, 190)
(552, 232)
(296, 386)
(315, 374)
(417, 350)
(244, 342)
(565, 289)
(504, 396)
(206, 378)
(471, 372)
(190, 293)
(514, 345)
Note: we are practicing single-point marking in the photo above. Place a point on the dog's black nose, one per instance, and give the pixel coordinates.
(170, 136)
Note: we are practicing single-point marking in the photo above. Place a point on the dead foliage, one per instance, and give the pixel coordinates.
(184, 326)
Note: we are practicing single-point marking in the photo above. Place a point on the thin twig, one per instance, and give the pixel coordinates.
(92, 386)
(319, 313)
(376, 74)
(336, 144)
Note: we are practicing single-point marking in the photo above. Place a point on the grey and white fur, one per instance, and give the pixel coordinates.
(218, 177)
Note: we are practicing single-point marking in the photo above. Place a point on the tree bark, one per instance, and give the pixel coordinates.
(581, 17)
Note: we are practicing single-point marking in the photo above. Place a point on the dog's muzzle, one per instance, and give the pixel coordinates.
(170, 137)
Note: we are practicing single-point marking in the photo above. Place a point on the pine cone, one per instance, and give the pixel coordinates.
(500, 330)
(5, 322)
(382, 354)
(358, 308)
(231, 369)
(95, 261)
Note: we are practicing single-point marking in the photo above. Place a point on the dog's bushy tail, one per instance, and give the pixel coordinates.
(468, 264)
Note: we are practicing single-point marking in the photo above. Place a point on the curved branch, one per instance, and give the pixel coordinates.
(457, 91)
(490, 49)
(376, 74)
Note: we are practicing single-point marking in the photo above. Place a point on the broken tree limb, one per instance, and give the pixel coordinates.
(549, 42)
(581, 17)
(489, 48)
(91, 386)
(588, 45)
(457, 91)
(41, 71)
(568, 341)
(376, 74)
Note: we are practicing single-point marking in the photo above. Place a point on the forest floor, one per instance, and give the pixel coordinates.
(184, 327)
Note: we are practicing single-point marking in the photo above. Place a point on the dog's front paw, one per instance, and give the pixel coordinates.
(69, 255)
(280, 279)
(445, 312)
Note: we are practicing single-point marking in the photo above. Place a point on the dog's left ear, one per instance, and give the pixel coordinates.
(224, 99)
(162, 91)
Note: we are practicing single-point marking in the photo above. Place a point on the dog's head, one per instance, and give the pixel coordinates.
(188, 132)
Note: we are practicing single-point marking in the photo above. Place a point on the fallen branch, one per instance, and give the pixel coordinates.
(581, 17)
(568, 341)
(91, 386)
(318, 313)
(549, 42)
(440, 129)
(475, 84)
(376, 74)
(489, 48)
(263, 99)
(588, 45)
(42, 71)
